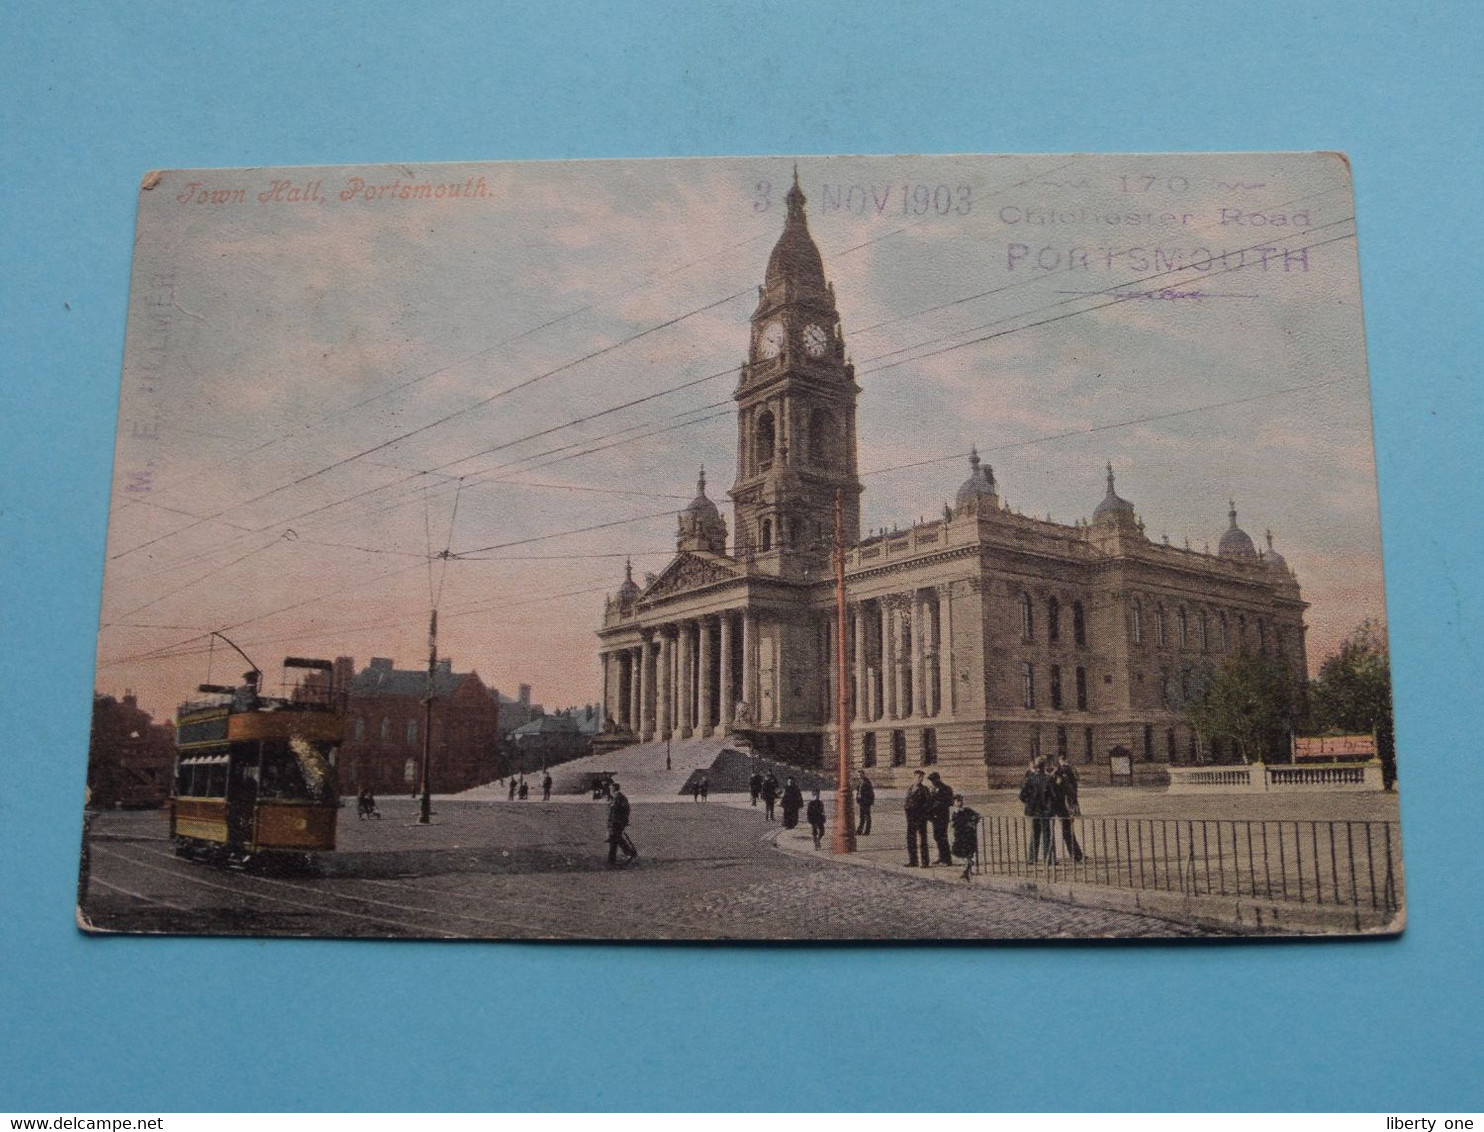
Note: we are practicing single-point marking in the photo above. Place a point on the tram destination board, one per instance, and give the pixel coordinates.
(892, 548)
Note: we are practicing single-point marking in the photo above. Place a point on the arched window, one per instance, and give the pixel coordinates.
(767, 534)
(1184, 629)
(1138, 622)
(1221, 637)
(1056, 686)
(1053, 620)
(1079, 625)
(1159, 626)
(1081, 689)
(763, 440)
(1027, 619)
(1205, 632)
(821, 438)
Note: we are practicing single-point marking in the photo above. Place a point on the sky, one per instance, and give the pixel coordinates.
(350, 394)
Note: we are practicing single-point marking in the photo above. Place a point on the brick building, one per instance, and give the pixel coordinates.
(130, 757)
(975, 640)
(385, 712)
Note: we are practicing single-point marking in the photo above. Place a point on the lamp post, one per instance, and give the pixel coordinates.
(425, 806)
(843, 840)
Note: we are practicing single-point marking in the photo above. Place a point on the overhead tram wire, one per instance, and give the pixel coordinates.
(514, 388)
(962, 345)
(928, 342)
(340, 412)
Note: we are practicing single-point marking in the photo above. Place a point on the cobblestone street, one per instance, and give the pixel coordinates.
(538, 870)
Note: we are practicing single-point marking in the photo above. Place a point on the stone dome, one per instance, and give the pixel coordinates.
(979, 486)
(1272, 557)
(629, 590)
(701, 507)
(1235, 542)
(701, 526)
(1112, 506)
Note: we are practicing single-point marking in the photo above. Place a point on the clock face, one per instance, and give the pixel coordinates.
(815, 340)
(770, 342)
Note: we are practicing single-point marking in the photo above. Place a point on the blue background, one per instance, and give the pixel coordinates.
(93, 95)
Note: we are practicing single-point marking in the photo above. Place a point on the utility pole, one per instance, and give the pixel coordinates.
(425, 812)
(844, 839)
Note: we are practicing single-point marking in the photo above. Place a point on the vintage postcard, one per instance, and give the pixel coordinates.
(895, 548)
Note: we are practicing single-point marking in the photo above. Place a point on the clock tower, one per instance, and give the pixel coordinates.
(795, 414)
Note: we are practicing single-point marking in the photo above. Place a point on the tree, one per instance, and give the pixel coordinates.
(1352, 694)
(1249, 702)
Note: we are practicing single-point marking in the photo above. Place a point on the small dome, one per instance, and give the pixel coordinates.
(1235, 543)
(979, 485)
(629, 591)
(1112, 505)
(701, 506)
(1272, 557)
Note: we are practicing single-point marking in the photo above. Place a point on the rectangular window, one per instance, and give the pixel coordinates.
(898, 748)
(868, 749)
(1056, 686)
(1081, 689)
(1053, 620)
(929, 746)
(412, 731)
(1087, 744)
(1137, 628)
(1035, 743)
(1028, 682)
(1148, 743)
(1079, 625)
(1061, 742)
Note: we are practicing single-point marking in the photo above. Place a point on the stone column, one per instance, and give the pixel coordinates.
(900, 663)
(749, 662)
(888, 660)
(705, 721)
(728, 697)
(919, 642)
(646, 690)
(636, 686)
(687, 686)
(663, 684)
(946, 690)
(607, 686)
(861, 707)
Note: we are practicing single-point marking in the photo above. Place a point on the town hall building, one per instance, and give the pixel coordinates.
(975, 641)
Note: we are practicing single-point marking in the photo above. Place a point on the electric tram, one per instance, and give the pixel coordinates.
(255, 774)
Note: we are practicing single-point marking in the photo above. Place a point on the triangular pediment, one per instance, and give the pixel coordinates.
(691, 571)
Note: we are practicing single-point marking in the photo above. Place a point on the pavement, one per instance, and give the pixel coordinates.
(534, 870)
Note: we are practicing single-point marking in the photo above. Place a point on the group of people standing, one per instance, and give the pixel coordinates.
(791, 799)
(936, 806)
(1049, 793)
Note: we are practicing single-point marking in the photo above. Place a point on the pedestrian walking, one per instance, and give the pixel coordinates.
(546, 788)
(705, 787)
(942, 810)
(618, 825)
(815, 814)
(513, 788)
(525, 790)
(1065, 805)
(865, 798)
(793, 802)
(695, 789)
(917, 804)
(1035, 795)
(770, 794)
(755, 786)
(965, 835)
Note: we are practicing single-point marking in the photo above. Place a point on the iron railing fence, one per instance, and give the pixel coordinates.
(1354, 865)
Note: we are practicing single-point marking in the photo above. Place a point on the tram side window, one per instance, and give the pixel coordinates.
(216, 780)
